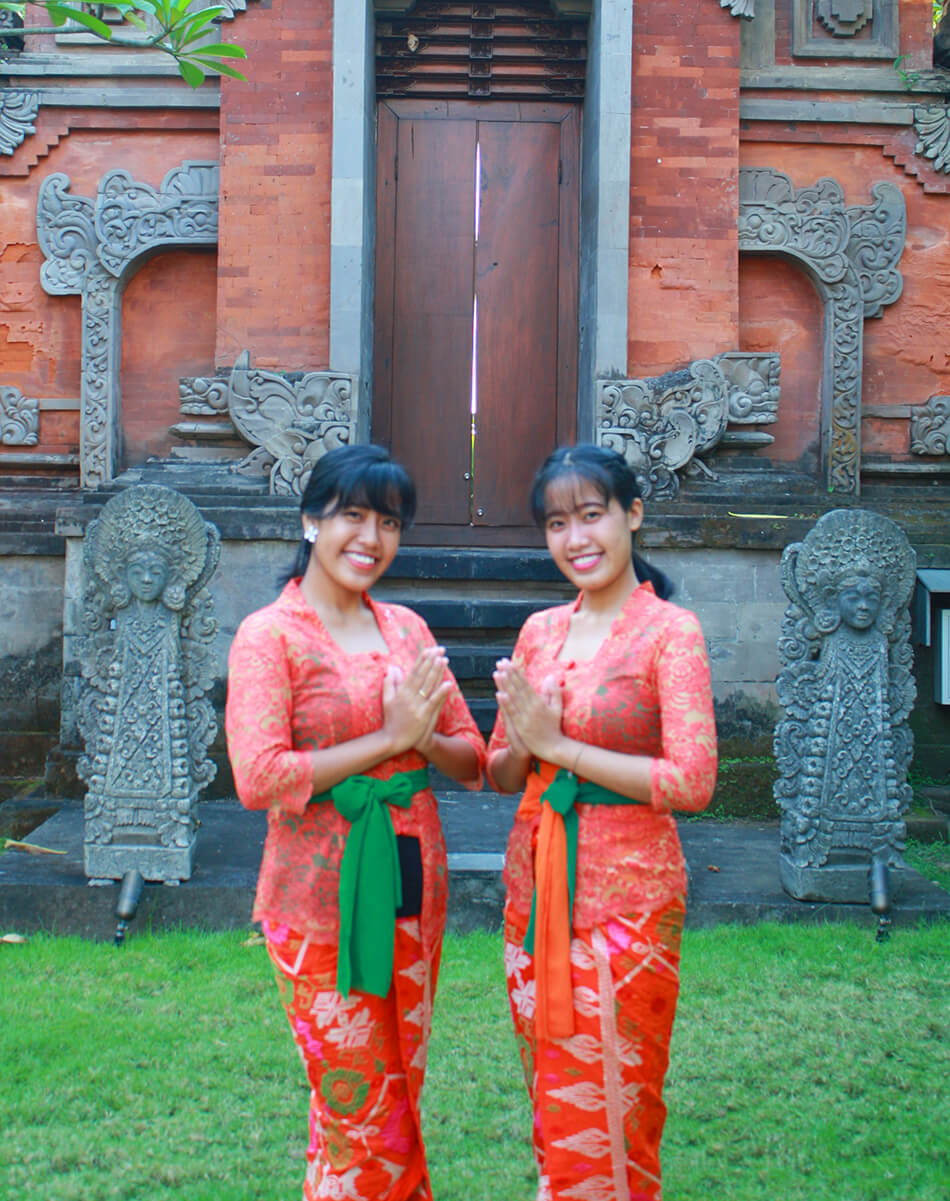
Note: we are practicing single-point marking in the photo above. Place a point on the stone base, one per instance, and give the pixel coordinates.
(164, 864)
(843, 881)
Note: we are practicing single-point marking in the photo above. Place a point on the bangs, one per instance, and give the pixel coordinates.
(382, 486)
(563, 489)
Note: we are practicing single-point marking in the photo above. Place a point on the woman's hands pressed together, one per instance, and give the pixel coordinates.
(412, 702)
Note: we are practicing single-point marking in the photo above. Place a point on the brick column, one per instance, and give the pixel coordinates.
(684, 185)
(274, 244)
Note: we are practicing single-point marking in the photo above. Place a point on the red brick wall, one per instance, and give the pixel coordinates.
(683, 290)
(274, 247)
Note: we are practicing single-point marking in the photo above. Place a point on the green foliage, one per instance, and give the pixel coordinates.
(184, 28)
(806, 1066)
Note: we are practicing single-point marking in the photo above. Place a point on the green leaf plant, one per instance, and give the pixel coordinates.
(183, 29)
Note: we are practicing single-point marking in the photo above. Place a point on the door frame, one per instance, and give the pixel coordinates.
(604, 208)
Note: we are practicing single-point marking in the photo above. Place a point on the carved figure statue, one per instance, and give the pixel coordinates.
(146, 662)
(844, 746)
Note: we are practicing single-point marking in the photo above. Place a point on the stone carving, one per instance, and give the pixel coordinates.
(666, 424)
(843, 18)
(92, 248)
(12, 21)
(843, 746)
(932, 122)
(203, 396)
(930, 427)
(753, 381)
(739, 8)
(19, 418)
(291, 424)
(145, 655)
(17, 113)
(662, 425)
(851, 255)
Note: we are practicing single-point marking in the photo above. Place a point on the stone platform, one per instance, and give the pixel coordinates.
(733, 870)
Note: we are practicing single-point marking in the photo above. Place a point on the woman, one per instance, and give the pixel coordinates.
(606, 702)
(336, 705)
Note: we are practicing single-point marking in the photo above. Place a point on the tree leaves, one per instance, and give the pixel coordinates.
(183, 29)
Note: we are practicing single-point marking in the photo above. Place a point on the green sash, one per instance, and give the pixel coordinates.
(370, 882)
(562, 794)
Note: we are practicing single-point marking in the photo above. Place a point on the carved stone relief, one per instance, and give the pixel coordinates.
(665, 425)
(145, 654)
(739, 8)
(851, 254)
(930, 427)
(17, 113)
(843, 745)
(19, 418)
(932, 122)
(10, 21)
(291, 424)
(845, 28)
(92, 247)
(843, 18)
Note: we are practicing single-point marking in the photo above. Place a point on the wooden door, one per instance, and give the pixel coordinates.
(476, 336)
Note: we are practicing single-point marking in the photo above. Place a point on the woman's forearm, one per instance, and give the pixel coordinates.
(453, 756)
(508, 769)
(334, 763)
(630, 775)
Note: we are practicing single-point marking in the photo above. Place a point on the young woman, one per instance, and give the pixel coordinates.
(336, 706)
(606, 721)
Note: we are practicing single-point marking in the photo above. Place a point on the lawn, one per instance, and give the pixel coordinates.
(809, 1064)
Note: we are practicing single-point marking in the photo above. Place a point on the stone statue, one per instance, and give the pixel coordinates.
(144, 714)
(843, 746)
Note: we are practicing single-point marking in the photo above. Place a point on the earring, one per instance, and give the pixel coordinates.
(310, 533)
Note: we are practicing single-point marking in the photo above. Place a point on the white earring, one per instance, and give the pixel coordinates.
(310, 533)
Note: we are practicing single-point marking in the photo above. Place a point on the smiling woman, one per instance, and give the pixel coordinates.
(336, 706)
(606, 721)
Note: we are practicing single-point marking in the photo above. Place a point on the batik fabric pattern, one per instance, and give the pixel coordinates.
(646, 692)
(365, 1059)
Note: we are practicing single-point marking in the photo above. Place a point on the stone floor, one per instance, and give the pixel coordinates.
(733, 870)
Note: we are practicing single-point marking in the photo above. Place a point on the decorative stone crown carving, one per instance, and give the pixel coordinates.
(843, 746)
(145, 657)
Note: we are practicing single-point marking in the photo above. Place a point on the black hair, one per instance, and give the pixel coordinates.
(614, 479)
(363, 475)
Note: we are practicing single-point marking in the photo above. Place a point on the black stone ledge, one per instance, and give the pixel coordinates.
(733, 869)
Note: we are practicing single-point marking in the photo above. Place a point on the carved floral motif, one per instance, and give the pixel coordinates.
(292, 425)
(19, 418)
(851, 253)
(17, 113)
(930, 427)
(843, 746)
(145, 655)
(932, 122)
(91, 247)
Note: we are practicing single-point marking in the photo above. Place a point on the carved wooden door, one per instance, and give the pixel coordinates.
(476, 304)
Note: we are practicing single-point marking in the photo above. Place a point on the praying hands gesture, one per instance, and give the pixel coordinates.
(532, 723)
(412, 702)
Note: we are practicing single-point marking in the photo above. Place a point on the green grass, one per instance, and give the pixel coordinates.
(808, 1064)
(931, 859)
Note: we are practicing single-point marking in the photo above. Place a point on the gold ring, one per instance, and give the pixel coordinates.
(424, 695)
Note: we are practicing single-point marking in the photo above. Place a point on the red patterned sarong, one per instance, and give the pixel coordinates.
(365, 1059)
(597, 1096)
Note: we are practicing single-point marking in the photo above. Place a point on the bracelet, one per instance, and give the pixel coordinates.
(577, 759)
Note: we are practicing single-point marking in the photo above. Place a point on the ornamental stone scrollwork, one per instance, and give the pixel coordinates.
(145, 654)
(290, 423)
(662, 425)
(91, 248)
(665, 425)
(17, 113)
(932, 122)
(19, 418)
(851, 254)
(203, 396)
(843, 745)
(930, 427)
